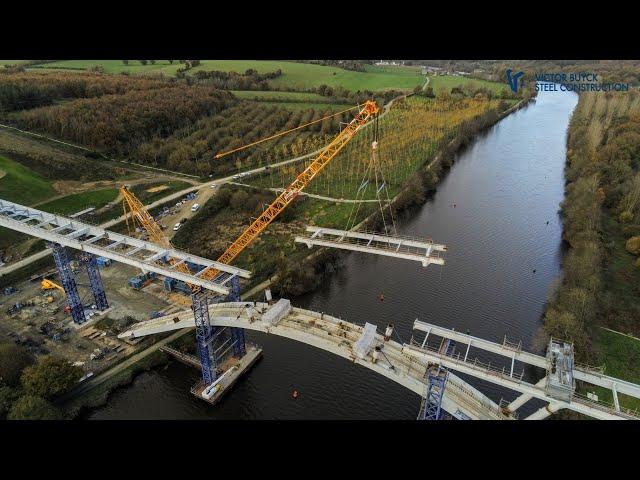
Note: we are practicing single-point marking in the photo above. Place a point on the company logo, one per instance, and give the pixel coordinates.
(513, 79)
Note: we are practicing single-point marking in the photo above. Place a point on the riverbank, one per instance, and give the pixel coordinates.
(601, 213)
(94, 392)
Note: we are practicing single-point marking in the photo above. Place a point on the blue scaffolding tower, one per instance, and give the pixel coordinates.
(436, 379)
(95, 281)
(431, 408)
(68, 282)
(237, 334)
(204, 335)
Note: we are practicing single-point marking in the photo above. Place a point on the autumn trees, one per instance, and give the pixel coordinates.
(27, 387)
(601, 214)
(25, 90)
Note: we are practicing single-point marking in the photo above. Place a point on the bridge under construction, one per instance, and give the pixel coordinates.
(425, 364)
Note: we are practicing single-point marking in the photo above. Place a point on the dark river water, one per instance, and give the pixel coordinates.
(507, 187)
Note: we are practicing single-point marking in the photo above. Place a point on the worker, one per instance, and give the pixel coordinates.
(381, 297)
(295, 394)
(454, 204)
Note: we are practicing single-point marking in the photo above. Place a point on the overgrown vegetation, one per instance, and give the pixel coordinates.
(27, 387)
(601, 214)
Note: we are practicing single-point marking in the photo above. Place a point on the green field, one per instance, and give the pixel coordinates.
(80, 201)
(13, 62)
(112, 66)
(295, 106)
(449, 81)
(621, 357)
(295, 75)
(21, 184)
(276, 96)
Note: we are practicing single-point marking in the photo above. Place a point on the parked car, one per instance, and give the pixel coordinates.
(177, 226)
(195, 207)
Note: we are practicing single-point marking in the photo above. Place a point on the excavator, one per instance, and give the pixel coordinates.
(47, 284)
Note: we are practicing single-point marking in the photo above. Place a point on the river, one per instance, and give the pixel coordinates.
(504, 239)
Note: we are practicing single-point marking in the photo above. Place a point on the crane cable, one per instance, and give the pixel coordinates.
(223, 154)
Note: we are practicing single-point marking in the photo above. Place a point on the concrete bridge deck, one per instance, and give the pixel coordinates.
(338, 337)
(406, 364)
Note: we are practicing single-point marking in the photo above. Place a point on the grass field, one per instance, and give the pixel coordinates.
(276, 96)
(21, 184)
(79, 201)
(621, 356)
(449, 81)
(295, 75)
(112, 66)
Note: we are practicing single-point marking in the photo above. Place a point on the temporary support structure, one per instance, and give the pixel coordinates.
(95, 281)
(204, 335)
(237, 334)
(431, 407)
(68, 283)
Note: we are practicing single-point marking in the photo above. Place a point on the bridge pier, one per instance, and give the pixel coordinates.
(237, 334)
(68, 282)
(204, 336)
(99, 295)
(431, 408)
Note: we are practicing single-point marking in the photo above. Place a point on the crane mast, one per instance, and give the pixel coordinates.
(140, 214)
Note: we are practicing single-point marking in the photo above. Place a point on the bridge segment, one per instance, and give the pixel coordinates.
(147, 256)
(546, 389)
(338, 337)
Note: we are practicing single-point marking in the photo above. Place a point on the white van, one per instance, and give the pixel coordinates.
(195, 207)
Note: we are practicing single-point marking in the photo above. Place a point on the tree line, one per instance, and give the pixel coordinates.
(28, 386)
(25, 90)
(601, 216)
(120, 123)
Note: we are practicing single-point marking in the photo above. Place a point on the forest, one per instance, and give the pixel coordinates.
(25, 90)
(119, 123)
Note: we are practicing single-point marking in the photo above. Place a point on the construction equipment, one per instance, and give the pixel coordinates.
(47, 284)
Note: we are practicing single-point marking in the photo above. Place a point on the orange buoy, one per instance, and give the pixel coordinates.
(295, 394)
